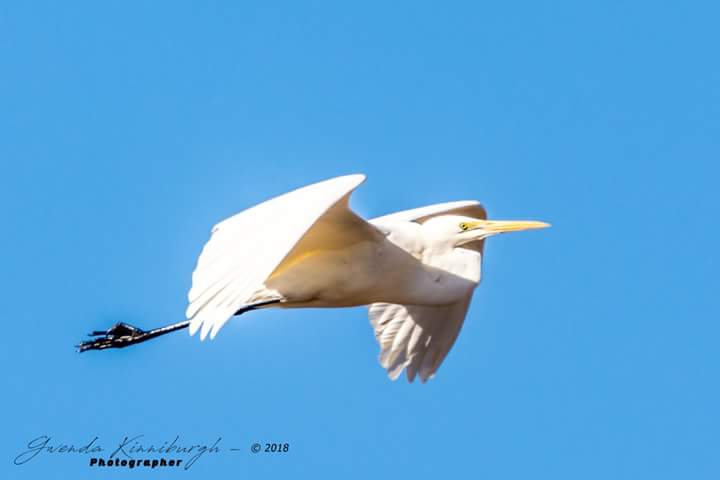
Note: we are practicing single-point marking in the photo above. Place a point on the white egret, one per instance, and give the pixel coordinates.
(416, 269)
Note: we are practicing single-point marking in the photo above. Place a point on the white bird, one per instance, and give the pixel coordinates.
(416, 269)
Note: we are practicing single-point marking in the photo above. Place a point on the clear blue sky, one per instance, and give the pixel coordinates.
(590, 350)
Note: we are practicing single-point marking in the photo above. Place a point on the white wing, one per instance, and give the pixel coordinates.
(416, 338)
(469, 208)
(245, 249)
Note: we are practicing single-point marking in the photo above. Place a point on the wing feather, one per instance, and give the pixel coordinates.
(416, 338)
(470, 208)
(246, 248)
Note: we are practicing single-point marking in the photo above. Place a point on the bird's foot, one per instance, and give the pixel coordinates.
(120, 335)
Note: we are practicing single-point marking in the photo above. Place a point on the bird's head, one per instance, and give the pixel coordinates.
(458, 230)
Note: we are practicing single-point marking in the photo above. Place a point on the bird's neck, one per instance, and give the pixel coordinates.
(460, 262)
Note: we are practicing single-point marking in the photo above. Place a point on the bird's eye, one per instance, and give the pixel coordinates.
(464, 226)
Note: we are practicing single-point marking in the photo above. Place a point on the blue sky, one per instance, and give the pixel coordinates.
(590, 350)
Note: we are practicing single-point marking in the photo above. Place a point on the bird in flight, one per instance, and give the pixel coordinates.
(415, 269)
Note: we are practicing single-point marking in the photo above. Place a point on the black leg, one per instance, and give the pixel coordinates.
(257, 305)
(122, 335)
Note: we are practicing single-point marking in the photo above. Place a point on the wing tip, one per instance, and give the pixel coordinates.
(194, 327)
(359, 177)
(352, 180)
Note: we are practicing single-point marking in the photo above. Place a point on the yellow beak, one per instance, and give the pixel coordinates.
(502, 226)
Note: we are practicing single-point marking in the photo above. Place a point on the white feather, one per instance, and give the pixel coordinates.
(416, 338)
(245, 249)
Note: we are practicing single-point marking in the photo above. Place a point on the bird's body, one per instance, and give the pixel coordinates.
(416, 269)
(398, 268)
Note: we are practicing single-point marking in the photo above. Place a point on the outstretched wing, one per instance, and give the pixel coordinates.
(469, 208)
(416, 338)
(245, 249)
